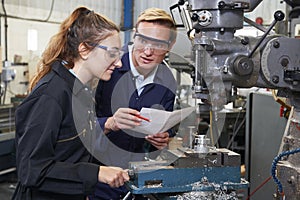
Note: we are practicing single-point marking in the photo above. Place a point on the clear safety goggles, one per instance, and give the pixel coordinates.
(159, 47)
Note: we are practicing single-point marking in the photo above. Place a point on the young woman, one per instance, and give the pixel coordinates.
(55, 124)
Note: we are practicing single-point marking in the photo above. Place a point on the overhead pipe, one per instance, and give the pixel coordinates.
(127, 19)
(5, 30)
(33, 19)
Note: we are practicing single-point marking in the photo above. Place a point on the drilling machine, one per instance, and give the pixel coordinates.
(222, 60)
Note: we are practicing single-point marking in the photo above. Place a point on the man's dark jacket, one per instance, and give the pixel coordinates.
(120, 147)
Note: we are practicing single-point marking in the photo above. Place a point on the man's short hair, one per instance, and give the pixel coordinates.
(158, 16)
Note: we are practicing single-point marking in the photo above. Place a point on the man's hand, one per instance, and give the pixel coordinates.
(124, 118)
(113, 176)
(159, 140)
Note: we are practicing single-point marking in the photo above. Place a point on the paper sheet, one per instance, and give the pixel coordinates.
(160, 120)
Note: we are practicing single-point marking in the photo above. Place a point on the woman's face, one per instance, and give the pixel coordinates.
(105, 57)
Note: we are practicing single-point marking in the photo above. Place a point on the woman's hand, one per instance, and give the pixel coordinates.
(113, 176)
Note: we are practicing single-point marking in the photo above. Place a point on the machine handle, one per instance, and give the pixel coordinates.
(278, 16)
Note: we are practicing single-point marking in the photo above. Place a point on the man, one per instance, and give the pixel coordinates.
(143, 81)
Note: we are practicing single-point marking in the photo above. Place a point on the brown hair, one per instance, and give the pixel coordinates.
(82, 26)
(158, 16)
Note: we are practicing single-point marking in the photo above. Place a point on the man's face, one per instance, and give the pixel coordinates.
(151, 43)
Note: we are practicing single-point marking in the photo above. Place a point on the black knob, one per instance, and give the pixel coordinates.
(245, 41)
(181, 2)
(276, 44)
(194, 17)
(279, 15)
(275, 79)
(221, 4)
(131, 174)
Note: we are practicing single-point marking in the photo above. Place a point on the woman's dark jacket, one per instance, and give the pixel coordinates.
(53, 130)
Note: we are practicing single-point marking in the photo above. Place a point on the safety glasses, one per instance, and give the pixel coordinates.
(159, 47)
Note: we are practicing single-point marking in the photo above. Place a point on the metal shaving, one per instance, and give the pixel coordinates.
(207, 196)
(219, 193)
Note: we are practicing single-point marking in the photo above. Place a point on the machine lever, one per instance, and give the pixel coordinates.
(126, 196)
(278, 16)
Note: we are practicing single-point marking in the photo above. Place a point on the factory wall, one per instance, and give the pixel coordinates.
(31, 23)
(39, 10)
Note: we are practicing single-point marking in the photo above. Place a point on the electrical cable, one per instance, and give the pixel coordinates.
(211, 125)
(236, 130)
(5, 30)
(280, 100)
(260, 186)
(274, 165)
(33, 19)
(237, 118)
(50, 12)
(4, 93)
(235, 133)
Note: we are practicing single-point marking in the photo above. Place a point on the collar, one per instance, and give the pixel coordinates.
(74, 83)
(135, 73)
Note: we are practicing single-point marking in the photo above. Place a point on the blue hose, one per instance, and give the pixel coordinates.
(274, 165)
